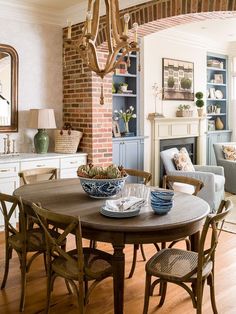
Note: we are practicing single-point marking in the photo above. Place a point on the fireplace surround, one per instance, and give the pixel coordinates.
(189, 132)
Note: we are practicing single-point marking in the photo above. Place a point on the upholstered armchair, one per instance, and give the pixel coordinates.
(228, 165)
(212, 177)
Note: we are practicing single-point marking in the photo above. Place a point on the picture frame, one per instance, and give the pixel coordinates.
(218, 78)
(116, 129)
(211, 125)
(177, 79)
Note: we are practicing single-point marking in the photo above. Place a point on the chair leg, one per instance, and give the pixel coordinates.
(142, 252)
(136, 246)
(210, 281)
(147, 293)
(23, 281)
(163, 288)
(199, 299)
(8, 255)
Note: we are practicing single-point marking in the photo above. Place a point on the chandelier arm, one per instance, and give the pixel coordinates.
(93, 56)
(109, 28)
(111, 64)
(95, 22)
(115, 20)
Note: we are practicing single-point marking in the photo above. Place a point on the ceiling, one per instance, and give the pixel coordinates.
(51, 4)
(217, 30)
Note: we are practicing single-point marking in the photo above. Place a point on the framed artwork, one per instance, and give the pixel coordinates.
(218, 78)
(115, 128)
(177, 79)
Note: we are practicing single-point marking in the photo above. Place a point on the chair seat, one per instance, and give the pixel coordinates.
(175, 264)
(35, 240)
(219, 182)
(97, 265)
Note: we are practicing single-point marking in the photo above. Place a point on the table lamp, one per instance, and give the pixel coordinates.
(42, 119)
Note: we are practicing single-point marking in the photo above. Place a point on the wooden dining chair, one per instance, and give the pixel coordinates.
(26, 175)
(191, 186)
(78, 266)
(146, 176)
(186, 267)
(23, 240)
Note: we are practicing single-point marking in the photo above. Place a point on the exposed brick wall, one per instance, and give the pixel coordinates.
(81, 92)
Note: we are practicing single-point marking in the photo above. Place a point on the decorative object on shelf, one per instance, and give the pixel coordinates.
(177, 79)
(211, 125)
(126, 116)
(214, 63)
(67, 140)
(219, 124)
(218, 79)
(219, 94)
(123, 87)
(199, 103)
(42, 119)
(218, 109)
(212, 93)
(117, 38)
(157, 92)
(121, 68)
(115, 128)
(184, 111)
(113, 90)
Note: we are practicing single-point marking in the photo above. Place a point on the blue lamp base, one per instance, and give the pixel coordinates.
(41, 141)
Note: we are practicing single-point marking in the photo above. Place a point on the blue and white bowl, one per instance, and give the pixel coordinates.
(102, 188)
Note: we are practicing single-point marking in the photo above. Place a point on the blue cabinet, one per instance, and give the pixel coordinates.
(128, 152)
(217, 103)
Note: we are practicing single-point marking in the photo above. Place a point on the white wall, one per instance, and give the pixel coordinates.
(160, 45)
(40, 73)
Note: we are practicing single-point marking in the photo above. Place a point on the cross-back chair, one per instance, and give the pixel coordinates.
(26, 174)
(79, 265)
(147, 176)
(186, 267)
(185, 183)
(22, 240)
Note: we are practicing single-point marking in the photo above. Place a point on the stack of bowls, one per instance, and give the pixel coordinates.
(161, 201)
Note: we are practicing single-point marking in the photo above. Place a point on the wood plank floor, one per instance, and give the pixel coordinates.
(101, 302)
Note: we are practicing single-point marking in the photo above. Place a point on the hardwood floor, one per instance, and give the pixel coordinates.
(101, 301)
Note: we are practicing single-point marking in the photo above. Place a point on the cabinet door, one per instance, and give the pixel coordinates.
(117, 153)
(7, 186)
(130, 154)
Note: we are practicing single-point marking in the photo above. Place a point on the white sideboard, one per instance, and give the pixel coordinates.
(67, 165)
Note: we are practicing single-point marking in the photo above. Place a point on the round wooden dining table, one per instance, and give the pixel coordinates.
(67, 196)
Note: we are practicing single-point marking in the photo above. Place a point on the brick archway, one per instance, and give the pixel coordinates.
(81, 89)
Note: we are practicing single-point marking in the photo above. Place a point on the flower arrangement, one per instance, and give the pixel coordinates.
(126, 116)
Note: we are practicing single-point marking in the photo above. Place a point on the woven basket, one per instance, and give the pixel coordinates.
(67, 141)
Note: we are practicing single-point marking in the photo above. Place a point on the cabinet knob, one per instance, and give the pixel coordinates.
(38, 166)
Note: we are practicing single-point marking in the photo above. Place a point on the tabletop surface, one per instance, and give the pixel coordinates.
(67, 196)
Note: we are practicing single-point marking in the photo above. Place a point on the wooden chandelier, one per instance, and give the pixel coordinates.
(118, 41)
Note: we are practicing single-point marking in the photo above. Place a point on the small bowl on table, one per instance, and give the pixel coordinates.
(102, 188)
(161, 201)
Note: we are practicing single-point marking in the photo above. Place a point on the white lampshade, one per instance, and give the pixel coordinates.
(42, 119)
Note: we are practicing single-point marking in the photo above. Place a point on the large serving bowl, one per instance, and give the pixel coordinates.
(102, 188)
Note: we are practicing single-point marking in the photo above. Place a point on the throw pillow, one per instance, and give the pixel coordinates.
(229, 152)
(182, 160)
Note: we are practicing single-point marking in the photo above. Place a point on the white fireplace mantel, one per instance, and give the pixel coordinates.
(173, 128)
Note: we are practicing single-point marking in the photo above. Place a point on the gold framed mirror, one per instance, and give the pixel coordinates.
(8, 89)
